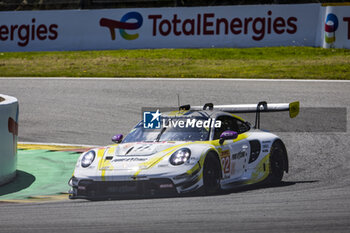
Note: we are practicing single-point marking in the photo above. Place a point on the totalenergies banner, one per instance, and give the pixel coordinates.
(195, 27)
(336, 27)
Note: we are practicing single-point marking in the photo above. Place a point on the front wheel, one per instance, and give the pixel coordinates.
(211, 174)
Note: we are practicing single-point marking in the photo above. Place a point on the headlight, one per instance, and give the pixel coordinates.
(88, 158)
(180, 156)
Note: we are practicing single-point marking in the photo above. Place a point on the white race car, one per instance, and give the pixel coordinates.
(197, 149)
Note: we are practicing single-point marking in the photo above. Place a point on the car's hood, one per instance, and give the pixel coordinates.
(130, 156)
(143, 149)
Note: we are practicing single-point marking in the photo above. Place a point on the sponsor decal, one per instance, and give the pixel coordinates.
(129, 160)
(165, 186)
(226, 163)
(206, 24)
(225, 153)
(336, 29)
(347, 19)
(212, 24)
(123, 25)
(239, 155)
(24, 33)
(331, 25)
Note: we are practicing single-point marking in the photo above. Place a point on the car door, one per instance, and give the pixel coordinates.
(234, 153)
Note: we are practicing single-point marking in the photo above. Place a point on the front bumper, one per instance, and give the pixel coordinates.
(147, 185)
(89, 189)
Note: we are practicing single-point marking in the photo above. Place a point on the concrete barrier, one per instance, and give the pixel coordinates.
(177, 27)
(8, 138)
(335, 31)
(313, 25)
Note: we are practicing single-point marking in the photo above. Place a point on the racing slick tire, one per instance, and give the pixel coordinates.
(211, 174)
(278, 163)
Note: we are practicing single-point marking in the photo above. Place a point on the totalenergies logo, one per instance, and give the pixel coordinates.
(123, 25)
(331, 25)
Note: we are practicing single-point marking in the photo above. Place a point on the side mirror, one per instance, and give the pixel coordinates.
(228, 134)
(117, 138)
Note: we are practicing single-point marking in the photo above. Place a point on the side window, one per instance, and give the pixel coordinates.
(242, 126)
(230, 123)
(227, 123)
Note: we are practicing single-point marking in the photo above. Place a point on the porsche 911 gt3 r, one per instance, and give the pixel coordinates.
(220, 152)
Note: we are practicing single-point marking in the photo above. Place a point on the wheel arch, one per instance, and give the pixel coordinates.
(285, 157)
(217, 156)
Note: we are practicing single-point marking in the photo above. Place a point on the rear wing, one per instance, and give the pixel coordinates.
(293, 108)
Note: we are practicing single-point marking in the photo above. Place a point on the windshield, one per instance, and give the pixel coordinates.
(173, 132)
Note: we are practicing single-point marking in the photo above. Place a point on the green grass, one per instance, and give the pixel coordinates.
(275, 62)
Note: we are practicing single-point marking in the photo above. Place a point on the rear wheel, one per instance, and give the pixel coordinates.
(211, 174)
(278, 163)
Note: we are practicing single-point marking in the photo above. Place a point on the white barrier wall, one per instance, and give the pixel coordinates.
(335, 31)
(192, 27)
(8, 136)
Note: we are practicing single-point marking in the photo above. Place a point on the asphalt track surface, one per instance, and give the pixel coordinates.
(315, 195)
